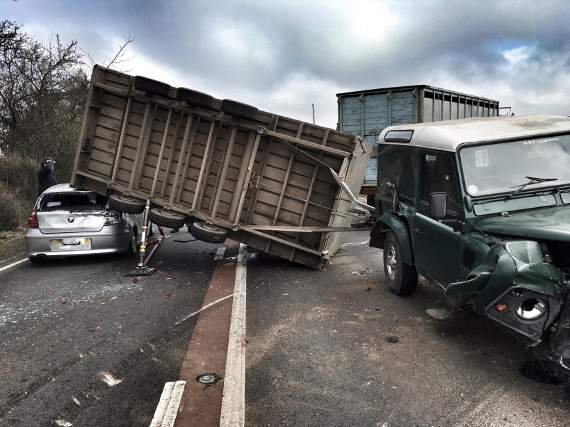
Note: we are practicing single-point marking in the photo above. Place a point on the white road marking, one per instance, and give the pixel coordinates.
(233, 400)
(6, 267)
(355, 243)
(167, 408)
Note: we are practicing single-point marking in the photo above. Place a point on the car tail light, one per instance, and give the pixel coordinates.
(112, 218)
(33, 220)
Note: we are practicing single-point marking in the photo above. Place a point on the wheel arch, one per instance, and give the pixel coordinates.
(390, 222)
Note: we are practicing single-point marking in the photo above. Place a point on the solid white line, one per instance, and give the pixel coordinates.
(165, 413)
(6, 267)
(233, 400)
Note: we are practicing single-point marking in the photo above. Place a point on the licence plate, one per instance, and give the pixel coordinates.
(70, 244)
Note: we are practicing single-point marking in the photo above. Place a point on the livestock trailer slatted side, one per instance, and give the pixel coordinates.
(366, 113)
(236, 172)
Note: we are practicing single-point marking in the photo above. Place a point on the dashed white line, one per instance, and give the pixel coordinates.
(165, 414)
(233, 400)
(6, 267)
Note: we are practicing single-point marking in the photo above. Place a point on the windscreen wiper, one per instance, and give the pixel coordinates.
(531, 180)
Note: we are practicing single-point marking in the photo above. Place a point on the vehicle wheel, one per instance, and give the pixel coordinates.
(401, 278)
(36, 260)
(151, 86)
(239, 109)
(166, 218)
(194, 97)
(133, 246)
(126, 204)
(208, 232)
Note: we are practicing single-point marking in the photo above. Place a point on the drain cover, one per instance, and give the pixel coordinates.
(208, 378)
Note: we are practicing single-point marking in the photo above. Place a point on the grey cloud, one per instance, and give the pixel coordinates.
(254, 49)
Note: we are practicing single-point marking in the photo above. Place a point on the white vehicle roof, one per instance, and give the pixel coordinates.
(62, 188)
(450, 134)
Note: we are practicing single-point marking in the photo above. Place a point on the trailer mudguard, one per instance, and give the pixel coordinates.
(390, 222)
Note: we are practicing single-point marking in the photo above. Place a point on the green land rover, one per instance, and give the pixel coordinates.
(481, 208)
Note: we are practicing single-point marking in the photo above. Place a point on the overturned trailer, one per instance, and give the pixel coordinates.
(277, 184)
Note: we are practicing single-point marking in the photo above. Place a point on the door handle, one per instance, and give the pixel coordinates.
(418, 230)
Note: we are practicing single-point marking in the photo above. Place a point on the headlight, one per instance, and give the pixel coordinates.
(525, 253)
(531, 309)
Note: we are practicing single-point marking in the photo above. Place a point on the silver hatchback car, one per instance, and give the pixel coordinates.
(68, 221)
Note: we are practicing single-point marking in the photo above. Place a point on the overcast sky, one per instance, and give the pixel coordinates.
(284, 55)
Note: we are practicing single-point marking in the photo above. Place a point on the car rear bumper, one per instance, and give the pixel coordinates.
(111, 239)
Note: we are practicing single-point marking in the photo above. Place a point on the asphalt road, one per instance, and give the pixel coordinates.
(81, 343)
(322, 350)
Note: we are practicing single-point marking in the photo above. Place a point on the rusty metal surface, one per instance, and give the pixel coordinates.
(230, 170)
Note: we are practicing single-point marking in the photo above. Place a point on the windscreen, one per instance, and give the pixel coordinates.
(72, 201)
(508, 166)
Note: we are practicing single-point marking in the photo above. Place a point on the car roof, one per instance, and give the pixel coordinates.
(449, 135)
(63, 188)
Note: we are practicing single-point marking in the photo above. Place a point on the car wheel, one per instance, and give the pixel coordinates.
(166, 218)
(133, 246)
(36, 260)
(126, 204)
(208, 232)
(239, 109)
(401, 278)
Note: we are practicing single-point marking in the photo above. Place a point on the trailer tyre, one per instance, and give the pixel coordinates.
(166, 218)
(151, 86)
(208, 232)
(125, 204)
(239, 109)
(194, 97)
(401, 278)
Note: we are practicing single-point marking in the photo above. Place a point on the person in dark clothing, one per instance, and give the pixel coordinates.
(46, 178)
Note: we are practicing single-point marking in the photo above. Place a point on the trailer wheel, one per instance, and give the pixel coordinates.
(402, 279)
(239, 109)
(166, 218)
(151, 86)
(194, 97)
(208, 232)
(126, 204)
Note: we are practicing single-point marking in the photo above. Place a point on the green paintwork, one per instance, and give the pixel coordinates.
(543, 224)
(401, 231)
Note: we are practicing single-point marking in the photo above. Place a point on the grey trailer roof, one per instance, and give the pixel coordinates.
(412, 87)
(450, 134)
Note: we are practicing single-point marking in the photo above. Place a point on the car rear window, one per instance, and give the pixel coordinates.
(72, 201)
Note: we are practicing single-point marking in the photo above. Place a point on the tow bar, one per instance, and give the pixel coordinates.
(142, 268)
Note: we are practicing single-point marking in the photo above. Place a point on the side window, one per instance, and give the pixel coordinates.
(439, 174)
(396, 166)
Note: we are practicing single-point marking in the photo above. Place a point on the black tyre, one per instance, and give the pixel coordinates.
(401, 278)
(133, 243)
(166, 218)
(239, 109)
(37, 260)
(125, 204)
(194, 97)
(151, 86)
(208, 232)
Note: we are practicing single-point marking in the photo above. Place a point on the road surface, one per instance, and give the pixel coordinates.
(82, 344)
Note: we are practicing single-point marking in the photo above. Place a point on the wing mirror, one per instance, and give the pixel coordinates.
(438, 205)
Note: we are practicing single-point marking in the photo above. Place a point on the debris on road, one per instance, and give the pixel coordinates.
(109, 379)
